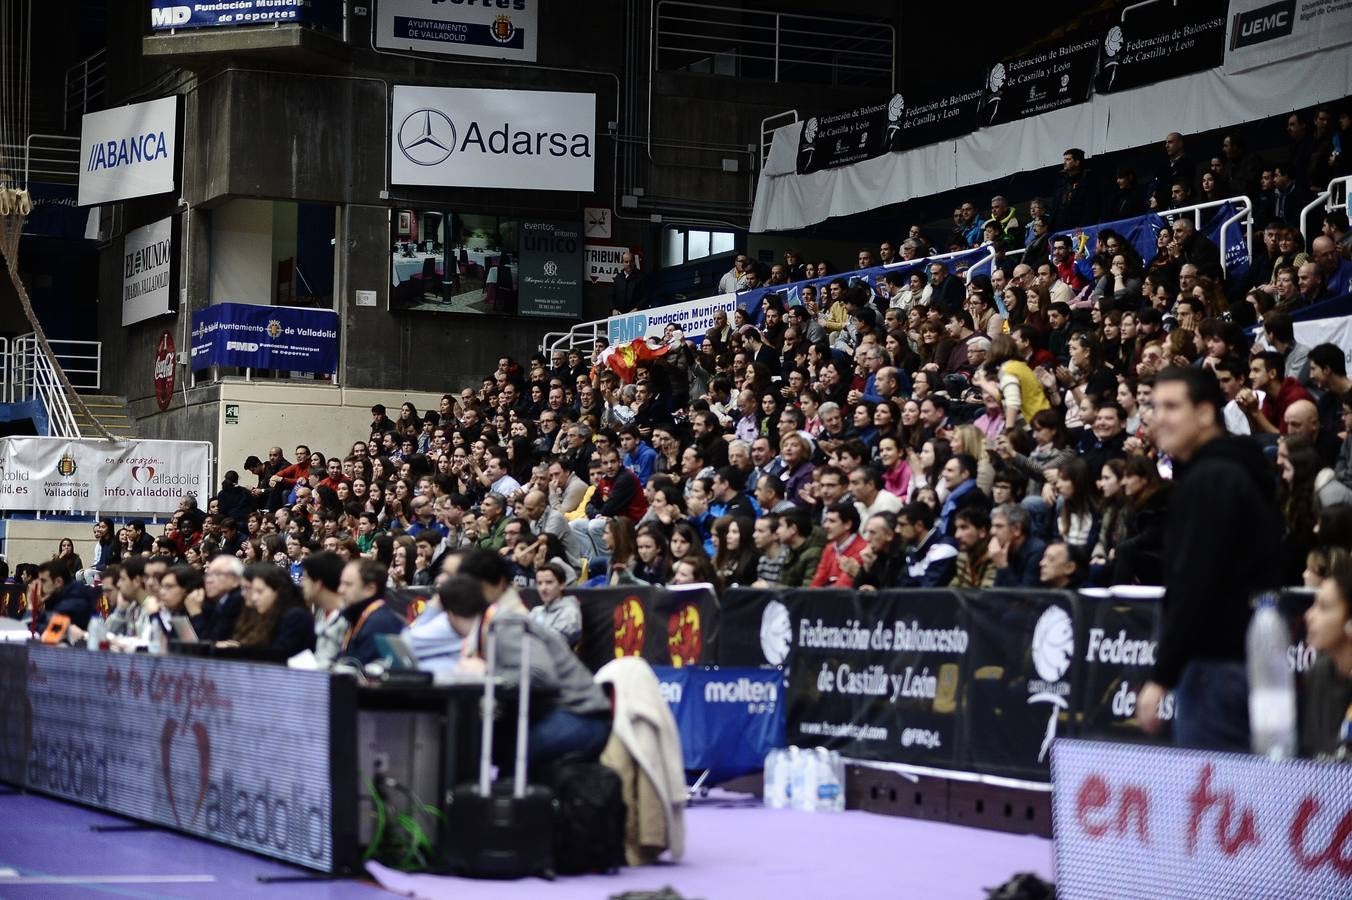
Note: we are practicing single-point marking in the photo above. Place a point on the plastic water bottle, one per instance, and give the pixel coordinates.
(1272, 688)
(776, 794)
(830, 781)
(805, 783)
(793, 796)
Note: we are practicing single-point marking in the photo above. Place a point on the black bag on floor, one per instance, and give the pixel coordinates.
(589, 818)
(502, 829)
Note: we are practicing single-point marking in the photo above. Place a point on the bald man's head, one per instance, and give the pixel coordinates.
(1302, 418)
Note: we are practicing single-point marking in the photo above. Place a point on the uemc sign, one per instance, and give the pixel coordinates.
(1265, 23)
(463, 137)
(128, 151)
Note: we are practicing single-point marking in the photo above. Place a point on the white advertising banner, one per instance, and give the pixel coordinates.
(603, 262)
(693, 317)
(141, 477)
(1263, 31)
(504, 29)
(1148, 821)
(1337, 331)
(128, 151)
(147, 261)
(470, 137)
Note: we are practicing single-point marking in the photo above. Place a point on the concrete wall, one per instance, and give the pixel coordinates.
(36, 541)
(327, 419)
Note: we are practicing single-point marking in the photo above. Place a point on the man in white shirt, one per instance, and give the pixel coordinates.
(866, 486)
(1230, 373)
(735, 279)
(497, 479)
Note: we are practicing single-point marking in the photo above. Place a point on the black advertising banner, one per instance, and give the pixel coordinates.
(755, 628)
(917, 119)
(1047, 78)
(902, 123)
(1118, 644)
(550, 273)
(1024, 670)
(664, 626)
(842, 138)
(1159, 41)
(878, 675)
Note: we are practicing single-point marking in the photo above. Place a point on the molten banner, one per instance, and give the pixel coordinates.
(134, 477)
(729, 718)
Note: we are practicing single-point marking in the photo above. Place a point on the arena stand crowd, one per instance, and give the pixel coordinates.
(919, 435)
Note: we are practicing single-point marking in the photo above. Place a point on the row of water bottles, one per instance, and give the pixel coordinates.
(811, 779)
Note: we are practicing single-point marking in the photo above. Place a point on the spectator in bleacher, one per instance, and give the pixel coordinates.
(1073, 204)
(1004, 217)
(735, 279)
(362, 586)
(1127, 201)
(1336, 225)
(106, 549)
(1288, 197)
(1014, 551)
(1334, 270)
(1241, 169)
(1180, 195)
(630, 288)
(62, 595)
(1177, 167)
(1312, 287)
(946, 290)
(1192, 247)
(1062, 566)
(974, 567)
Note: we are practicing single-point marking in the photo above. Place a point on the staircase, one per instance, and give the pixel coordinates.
(111, 411)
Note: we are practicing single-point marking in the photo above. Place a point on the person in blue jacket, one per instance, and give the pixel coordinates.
(363, 590)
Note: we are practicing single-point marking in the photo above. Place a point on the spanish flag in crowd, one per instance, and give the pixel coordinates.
(622, 359)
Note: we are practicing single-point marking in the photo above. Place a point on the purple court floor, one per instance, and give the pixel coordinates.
(735, 849)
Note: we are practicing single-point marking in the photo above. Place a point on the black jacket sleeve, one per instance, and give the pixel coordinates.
(621, 495)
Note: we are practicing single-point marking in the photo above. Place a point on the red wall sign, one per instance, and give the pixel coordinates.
(165, 366)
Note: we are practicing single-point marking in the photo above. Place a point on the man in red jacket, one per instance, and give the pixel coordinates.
(618, 493)
(842, 540)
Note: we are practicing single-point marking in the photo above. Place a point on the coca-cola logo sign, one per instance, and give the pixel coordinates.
(165, 364)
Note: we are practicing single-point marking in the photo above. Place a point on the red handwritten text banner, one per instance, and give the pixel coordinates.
(1145, 821)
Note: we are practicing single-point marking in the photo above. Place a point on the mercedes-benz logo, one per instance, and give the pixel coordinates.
(427, 137)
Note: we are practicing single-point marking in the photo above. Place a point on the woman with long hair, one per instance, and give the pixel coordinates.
(1021, 394)
(621, 543)
(1076, 504)
(970, 440)
(735, 554)
(910, 430)
(926, 466)
(886, 420)
(1110, 338)
(1298, 464)
(685, 540)
(65, 552)
(934, 347)
(1139, 557)
(896, 469)
(1016, 305)
(274, 616)
(1112, 513)
(1290, 252)
(654, 556)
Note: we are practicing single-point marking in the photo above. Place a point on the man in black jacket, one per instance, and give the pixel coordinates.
(363, 590)
(1223, 525)
(630, 289)
(62, 595)
(233, 501)
(223, 575)
(1073, 204)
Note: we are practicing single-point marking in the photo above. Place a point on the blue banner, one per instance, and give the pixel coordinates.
(166, 14)
(265, 337)
(1140, 232)
(56, 212)
(752, 301)
(729, 718)
(1236, 247)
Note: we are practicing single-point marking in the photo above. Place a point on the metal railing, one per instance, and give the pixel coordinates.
(43, 157)
(1331, 199)
(716, 39)
(768, 126)
(32, 377)
(1243, 213)
(85, 87)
